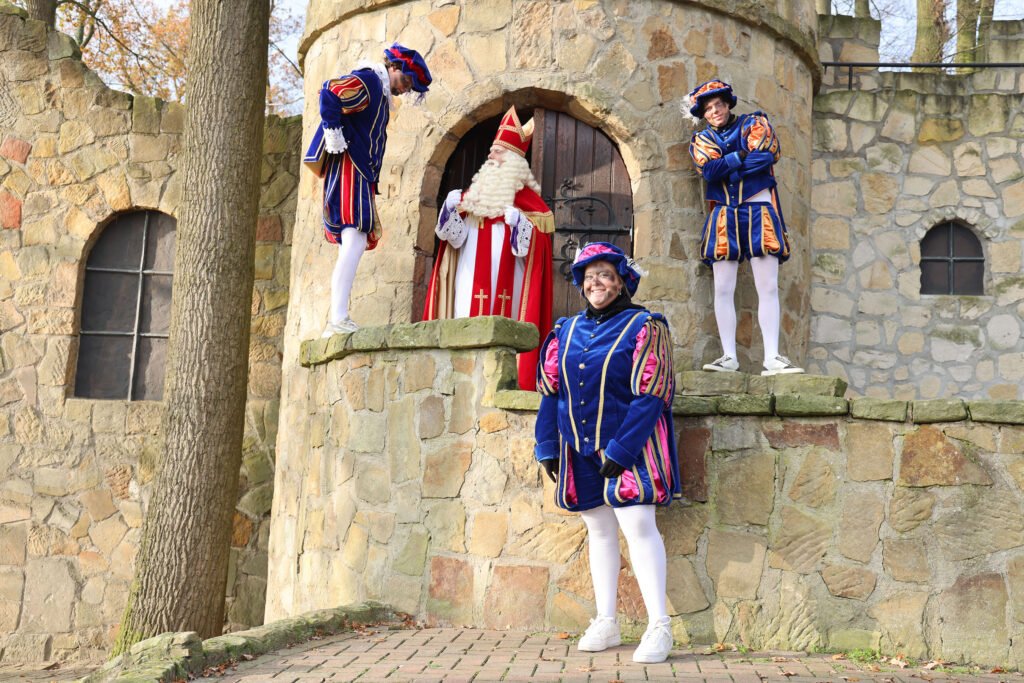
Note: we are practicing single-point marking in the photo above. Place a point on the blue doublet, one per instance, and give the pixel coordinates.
(609, 397)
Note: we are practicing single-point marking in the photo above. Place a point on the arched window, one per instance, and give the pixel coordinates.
(952, 261)
(582, 177)
(126, 309)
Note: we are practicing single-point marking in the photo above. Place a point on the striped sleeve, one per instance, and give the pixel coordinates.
(703, 149)
(760, 136)
(351, 93)
(547, 366)
(652, 362)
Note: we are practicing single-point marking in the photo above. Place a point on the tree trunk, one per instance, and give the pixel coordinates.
(966, 30)
(862, 9)
(932, 31)
(181, 569)
(983, 51)
(43, 10)
(824, 7)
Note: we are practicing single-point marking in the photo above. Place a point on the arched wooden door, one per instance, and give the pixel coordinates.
(582, 177)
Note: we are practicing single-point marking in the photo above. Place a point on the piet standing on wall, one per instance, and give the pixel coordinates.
(735, 155)
(495, 252)
(346, 151)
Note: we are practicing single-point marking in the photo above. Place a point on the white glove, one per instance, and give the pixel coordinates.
(450, 226)
(520, 231)
(452, 200)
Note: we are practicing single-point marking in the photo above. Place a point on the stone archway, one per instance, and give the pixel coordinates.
(583, 179)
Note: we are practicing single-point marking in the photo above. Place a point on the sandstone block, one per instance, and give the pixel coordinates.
(906, 559)
(746, 404)
(692, 406)
(514, 399)
(484, 331)
(554, 542)
(869, 451)
(929, 458)
(930, 160)
(938, 410)
(859, 522)
(910, 508)
(968, 633)
(735, 562)
(488, 534)
(445, 470)
(446, 522)
(1005, 412)
(815, 482)
(800, 405)
(793, 434)
(682, 527)
(868, 408)
(799, 542)
(685, 593)
(974, 527)
(745, 489)
(50, 591)
(516, 597)
(450, 593)
(412, 558)
(1014, 580)
(856, 583)
(701, 383)
(900, 619)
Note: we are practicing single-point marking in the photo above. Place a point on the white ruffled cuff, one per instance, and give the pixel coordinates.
(334, 140)
(522, 235)
(452, 229)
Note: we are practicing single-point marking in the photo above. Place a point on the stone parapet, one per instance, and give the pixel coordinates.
(816, 521)
(889, 166)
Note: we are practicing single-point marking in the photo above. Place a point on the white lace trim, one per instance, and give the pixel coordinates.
(334, 140)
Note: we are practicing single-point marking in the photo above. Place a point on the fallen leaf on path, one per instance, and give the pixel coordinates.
(247, 657)
(585, 669)
(780, 659)
(837, 657)
(787, 674)
(851, 679)
(899, 661)
(563, 636)
(998, 670)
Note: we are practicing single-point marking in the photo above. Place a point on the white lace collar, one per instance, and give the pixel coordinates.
(382, 74)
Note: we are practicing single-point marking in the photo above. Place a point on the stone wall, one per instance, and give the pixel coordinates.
(893, 157)
(75, 473)
(620, 66)
(815, 521)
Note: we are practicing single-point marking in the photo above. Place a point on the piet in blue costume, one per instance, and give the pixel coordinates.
(735, 154)
(347, 151)
(606, 385)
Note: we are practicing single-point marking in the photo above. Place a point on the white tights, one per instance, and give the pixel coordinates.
(350, 250)
(646, 552)
(766, 281)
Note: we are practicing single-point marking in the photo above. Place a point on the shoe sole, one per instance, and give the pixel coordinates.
(649, 660)
(600, 649)
(714, 368)
(786, 371)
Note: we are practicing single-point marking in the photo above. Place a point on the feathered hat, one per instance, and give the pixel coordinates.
(605, 251)
(412, 65)
(694, 102)
(512, 135)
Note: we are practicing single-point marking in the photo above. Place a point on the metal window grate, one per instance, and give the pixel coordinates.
(952, 261)
(125, 307)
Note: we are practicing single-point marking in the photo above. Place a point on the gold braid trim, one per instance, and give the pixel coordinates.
(545, 222)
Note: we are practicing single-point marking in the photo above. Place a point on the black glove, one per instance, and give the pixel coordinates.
(551, 467)
(743, 154)
(611, 469)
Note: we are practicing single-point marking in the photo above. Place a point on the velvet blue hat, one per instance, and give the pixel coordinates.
(605, 251)
(412, 65)
(705, 91)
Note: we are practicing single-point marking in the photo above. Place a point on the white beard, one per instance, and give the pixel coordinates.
(495, 185)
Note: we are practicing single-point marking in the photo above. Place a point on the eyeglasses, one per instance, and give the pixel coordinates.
(603, 275)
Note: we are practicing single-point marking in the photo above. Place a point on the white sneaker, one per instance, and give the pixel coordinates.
(780, 365)
(656, 643)
(344, 326)
(602, 634)
(724, 364)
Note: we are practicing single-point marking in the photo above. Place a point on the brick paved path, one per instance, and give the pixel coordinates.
(35, 673)
(483, 656)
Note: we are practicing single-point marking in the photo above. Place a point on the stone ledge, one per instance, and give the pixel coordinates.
(516, 399)
(464, 333)
(181, 656)
(938, 410)
(1005, 412)
(703, 383)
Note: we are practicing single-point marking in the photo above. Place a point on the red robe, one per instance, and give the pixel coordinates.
(535, 298)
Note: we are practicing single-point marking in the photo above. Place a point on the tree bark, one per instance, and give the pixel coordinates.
(43, 10)
(824, 7)
(862, 9)
(181, 568)
(967, 12)
(932, 31)
(984, 43)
